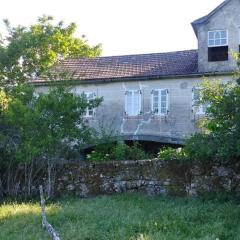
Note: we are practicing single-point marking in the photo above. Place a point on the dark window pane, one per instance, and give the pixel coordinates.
(218, 54)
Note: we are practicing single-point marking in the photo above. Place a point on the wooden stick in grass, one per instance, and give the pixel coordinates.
(45, 224)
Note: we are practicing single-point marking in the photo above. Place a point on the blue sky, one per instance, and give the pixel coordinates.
(122, 26)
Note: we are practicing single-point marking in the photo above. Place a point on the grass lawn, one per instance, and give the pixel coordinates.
(124, 217)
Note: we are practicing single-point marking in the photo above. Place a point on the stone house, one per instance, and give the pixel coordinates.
(153, 97)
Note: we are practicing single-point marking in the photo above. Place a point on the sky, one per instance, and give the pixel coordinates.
(121, 26)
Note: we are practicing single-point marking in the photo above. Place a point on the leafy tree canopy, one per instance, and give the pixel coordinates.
(50, 124)
(28, 52)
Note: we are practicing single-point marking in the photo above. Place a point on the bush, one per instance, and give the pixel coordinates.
(201, 147)
(172, 154)
(117, 152)
(136, 152)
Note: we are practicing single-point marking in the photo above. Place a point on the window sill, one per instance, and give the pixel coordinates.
(159, 115)
(133, 117)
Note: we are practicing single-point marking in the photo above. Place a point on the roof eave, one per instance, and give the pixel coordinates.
(137, 78)
(194, 26)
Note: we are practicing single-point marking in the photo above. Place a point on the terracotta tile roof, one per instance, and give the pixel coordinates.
(142, 65)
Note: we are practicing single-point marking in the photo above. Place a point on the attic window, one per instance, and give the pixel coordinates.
(217, 45)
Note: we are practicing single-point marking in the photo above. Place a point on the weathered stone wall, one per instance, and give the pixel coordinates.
(154, 177)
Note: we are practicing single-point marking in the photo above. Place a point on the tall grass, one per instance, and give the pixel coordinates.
(124, 217)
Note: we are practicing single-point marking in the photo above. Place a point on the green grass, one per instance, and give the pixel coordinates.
(124, 217)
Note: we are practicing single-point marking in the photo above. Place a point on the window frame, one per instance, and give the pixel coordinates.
(219, 45)
(159, 90)
(200, 107)
(138, 111)
(87, 111)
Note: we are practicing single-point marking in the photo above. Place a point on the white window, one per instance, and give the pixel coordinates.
(160, 101)
(217, 38)
(133, 102)
(198, 108)
(89, 111)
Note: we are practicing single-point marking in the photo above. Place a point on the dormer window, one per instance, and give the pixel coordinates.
(217, 38)
(217, 45)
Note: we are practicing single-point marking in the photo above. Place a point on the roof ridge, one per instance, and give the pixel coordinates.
(132, 55)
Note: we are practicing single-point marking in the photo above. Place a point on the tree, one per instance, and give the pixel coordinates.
(30, 52)
(49, 127)
(41, 129)
(221, 139)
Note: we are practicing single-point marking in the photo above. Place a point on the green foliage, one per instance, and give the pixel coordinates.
(136, 152)
(117, 152)
(170, 153)
(201, 147)
(124, 217)
(220, 140)
(29, 52)
(50, 124)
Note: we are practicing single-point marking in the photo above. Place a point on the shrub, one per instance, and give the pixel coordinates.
(117, 152)
(170, 153)
(201, 147)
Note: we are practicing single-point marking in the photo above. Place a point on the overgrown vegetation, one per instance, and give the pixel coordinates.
(170, 153)
(219, 139)
(125, 217)
(38, 129)
(111, 151)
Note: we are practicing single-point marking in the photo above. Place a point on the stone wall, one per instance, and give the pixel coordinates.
(154, 177)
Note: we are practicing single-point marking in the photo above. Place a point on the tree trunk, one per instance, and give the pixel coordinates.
(30, 180)
(1, 188)
(45, 224)
(49, 188)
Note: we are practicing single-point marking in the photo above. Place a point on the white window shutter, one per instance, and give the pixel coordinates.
(152, 102)
(167, 103)
(136, 103)
(163, 102)
(139, 102)
(155, 102)
(128, 102)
